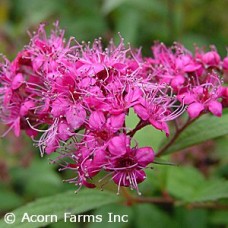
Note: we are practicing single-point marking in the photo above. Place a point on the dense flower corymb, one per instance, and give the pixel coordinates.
(74, 98)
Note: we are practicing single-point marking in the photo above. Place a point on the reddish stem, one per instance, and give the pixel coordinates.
(139, 126)
(176, 135)
(130, 200)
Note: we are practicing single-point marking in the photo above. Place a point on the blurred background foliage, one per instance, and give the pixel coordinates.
(24, 176)
(202, 22)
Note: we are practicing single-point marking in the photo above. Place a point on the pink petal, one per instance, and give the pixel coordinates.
(25, 107)
(133, 95)
(165, 128)
(75, 116)
(37, 62)
(186, 98)
(225, 64)
(51, 146)
(119, 66)
(30, 132)
(192, 67)
(195, 109)
(160, 126)
(17, 128)
(93, 166)
(17, 81)
(88, 185)
(144, 156)
(177, 81)
(141, 112)
(198, 90)
(118, 145)
(115, 122)
(64, 131)
(140, 176)
(215, 107)
(97, 68)
(223, 92)
(211, 58)
(96, 120)
(59, 107)
(99, 157)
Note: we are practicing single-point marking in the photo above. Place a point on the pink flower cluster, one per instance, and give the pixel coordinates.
(75, 98)
(195, 79)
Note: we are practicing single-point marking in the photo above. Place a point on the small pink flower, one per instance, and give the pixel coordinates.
(127, 164)
(211, 58)
(203, 98)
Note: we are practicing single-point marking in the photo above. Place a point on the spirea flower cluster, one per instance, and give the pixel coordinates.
(73, 98)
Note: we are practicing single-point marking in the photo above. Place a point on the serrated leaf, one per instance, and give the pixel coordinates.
(58, 204)
(201, 130)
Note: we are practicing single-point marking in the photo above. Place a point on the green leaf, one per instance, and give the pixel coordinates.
(212, 190)
(149, 214)
(219, 218)
(151, 6)
(221, 145)
(158, 176)
(188, 184)
(59, 204)
(183, 182)
(39, 173)
(149, 136)
(9, 199)
(110, 5)
(207, 127)
(127, 23)
(189, 218)
(63, 224)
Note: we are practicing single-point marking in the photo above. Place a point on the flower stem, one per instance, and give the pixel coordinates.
(141, 124)
(172, 202)
(175, 136)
